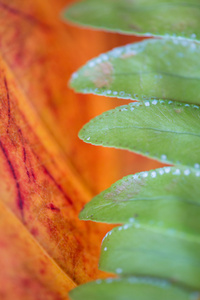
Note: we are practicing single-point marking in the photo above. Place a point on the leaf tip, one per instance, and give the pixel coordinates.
(67, 13)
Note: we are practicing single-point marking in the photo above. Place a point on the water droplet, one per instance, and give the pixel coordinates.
(184, 43)
(75, 75)
(154, 102)
(98, 60)
(187, 172)
(126, 226)
(91, 64)
(167, 169)
(109, 280)
(104, 57)
(177, 172)
(193, 36)
(193, 46)
(161, 171)
(98, 281)
(131, 220)
(118, 270)
(145, 174)
(163, 157)
(153, 174)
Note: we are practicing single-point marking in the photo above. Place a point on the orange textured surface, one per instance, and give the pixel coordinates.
(38, 277)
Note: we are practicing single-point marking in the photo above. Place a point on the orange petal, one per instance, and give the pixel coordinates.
(27, 272)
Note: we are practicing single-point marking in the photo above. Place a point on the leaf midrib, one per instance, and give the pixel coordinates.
(150, 128)
(155, 72)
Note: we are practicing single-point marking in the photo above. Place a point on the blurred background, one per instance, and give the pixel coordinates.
(46, 173)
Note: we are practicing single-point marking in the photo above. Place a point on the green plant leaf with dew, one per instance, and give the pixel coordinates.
(140, 288)
(160, 197)
(152, 251)
(155, 68)
(165, 130)
(140, 17)
(155, 252)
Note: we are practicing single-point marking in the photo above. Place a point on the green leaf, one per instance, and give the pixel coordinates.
(152, 251)
(162, 69)
(165, 130)
(161, 197)
(132, 288)
(141, 17)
